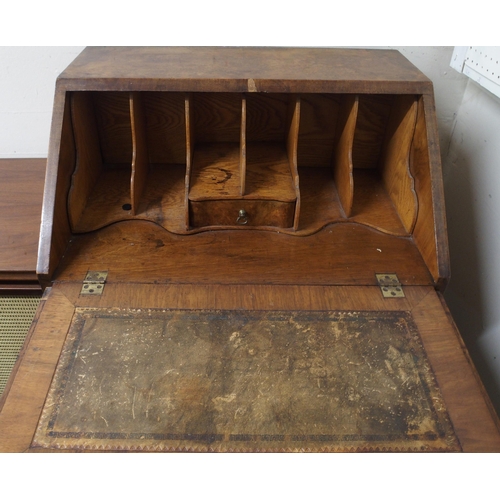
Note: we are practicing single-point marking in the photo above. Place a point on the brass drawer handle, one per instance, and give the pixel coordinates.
(242, 218)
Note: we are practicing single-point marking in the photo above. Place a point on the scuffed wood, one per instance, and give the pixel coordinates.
(228, 69)
(148, 253)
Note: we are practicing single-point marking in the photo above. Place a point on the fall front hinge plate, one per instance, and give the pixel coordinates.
(390, 285)
(93, 284)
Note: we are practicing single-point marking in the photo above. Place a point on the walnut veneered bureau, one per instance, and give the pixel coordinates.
(244, 249)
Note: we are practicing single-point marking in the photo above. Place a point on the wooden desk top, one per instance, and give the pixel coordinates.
(243, 69)
(21, 192)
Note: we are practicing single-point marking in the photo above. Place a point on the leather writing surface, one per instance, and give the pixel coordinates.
(200, 380)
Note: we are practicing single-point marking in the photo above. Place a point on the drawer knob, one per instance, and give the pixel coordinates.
(242, 218)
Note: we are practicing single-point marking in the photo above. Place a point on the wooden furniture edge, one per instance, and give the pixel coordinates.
(48, 255)
(476, 423)
(437, 186)
(21, 191)
(25, 398)
(482, 388)
(468, 405)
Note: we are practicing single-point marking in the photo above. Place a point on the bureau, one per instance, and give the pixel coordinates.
(244, 249)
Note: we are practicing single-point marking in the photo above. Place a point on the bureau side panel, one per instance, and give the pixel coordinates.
(430, 232)
(55, 230)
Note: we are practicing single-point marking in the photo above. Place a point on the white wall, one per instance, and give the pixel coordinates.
(469, 125)
(449, 85)
(472, 185)
(27, 82)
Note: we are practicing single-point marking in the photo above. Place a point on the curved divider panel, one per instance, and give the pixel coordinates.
(292, 144)
(343, 167)
(384, 196)
(88, 155)
(395, 166)
(139, 150)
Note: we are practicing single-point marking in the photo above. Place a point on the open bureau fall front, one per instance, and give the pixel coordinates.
(244, 249)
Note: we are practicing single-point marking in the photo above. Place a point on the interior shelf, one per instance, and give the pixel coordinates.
(200, 161)
(372, 204)
(215, 171)
(268, 174)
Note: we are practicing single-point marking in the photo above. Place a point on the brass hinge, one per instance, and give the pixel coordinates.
(93, 284)
(389, 285)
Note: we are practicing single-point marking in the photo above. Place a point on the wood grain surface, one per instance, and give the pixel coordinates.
(372, 205)
(21, 192)
(476, 427)
(394, 165)
(140, 153)
(292, 145)
(342, 166)
(439, 246)
(371, 127)
(55, 229)
(318, 119)
(238, 69)
(89, 160)
(213, 82)
(166, 126)
(338, 254)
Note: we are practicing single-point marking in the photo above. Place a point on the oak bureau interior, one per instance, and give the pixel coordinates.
(192, 161)
(213, 197)
(289, 155)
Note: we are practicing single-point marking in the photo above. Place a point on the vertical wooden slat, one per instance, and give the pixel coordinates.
(188, 106)
(292, 145)
(342, 168)
(395, 165)
(139, 150)
(243, 146)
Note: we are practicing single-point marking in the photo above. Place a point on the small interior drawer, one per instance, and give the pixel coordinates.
(241, 213)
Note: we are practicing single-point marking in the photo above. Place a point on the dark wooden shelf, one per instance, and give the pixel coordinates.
(21, 192)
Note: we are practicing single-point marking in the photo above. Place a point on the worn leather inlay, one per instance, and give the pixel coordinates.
(198, 380)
